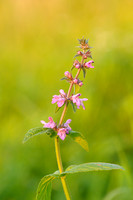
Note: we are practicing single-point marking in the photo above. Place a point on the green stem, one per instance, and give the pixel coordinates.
(58, 156)
(68, 95)
(57, 146)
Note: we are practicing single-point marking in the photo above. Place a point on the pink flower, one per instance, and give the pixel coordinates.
(50, 124)
(60, 99)
(88, 64)
(62, 133)
(64, 130)
(66, 125)
(79, 102)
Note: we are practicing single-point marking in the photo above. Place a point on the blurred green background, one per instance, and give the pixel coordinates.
(38, 41)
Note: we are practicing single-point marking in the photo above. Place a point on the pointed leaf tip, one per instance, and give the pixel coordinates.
(87, 167)
(84, 72)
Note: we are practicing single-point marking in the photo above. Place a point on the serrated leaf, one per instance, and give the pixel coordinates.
(45, 186)
(87, 167)
(36, 131)
(74, 106)
(80, 139)
(84, 72)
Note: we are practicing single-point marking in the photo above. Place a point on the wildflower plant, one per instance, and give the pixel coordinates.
(63, 129)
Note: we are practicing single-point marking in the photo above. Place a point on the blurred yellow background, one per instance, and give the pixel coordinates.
(38, 41)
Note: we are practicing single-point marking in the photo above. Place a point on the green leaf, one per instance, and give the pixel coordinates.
(76, 55)
(84, 72)
(72, 68)
(80, 139)
(87, 167)
(64, 78)
(45, 186)
(36, 131)
(50, 132)
(57, 109)
(77, 88)
(74, 106)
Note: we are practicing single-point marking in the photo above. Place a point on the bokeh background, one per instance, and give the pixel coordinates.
(38, 41)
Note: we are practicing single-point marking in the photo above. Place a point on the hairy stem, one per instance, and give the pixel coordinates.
(57, 146)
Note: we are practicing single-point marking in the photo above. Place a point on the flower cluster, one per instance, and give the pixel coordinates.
(62, 99)
(78, 65)
(61, 131)
(77, 81)
(70, 78)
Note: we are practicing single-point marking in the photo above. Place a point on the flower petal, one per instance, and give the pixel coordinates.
(60, 102)
(62, 133)
(62, 92)
(43, 122)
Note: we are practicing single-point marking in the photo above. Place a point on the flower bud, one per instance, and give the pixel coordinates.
(75, 81)
(68, 75)
(77, 66)
(84, 56)
(80, 53)
(80, 83)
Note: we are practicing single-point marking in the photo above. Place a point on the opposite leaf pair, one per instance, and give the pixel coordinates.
(76, 136)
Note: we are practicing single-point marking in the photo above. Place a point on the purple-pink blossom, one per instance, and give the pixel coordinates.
(64, 130)
(62, 133)
(60, 99)
(50, 124)
(66, 125)
(78, 101)
(89, 64)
